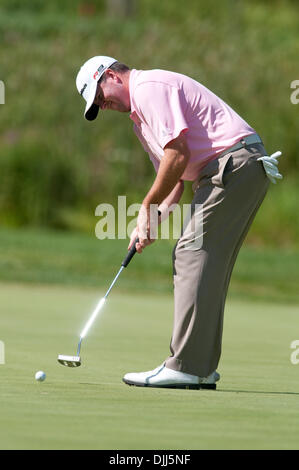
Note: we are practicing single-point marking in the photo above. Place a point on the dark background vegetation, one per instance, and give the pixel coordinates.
(55, 167)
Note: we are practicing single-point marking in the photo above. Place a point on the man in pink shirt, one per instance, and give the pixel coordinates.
(189, 134)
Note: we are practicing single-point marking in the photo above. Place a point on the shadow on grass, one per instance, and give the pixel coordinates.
(255, 391)
(263, 392)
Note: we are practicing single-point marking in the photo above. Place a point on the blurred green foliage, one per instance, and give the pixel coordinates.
(56, 167)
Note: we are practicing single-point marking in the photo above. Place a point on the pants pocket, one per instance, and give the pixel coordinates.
(219, 178)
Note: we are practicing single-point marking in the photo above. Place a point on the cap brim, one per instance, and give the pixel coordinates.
(92, 113)
(91, 109)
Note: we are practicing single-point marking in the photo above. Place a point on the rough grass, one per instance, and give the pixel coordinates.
(52, 257)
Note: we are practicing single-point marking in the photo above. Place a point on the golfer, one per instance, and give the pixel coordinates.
(190, 134)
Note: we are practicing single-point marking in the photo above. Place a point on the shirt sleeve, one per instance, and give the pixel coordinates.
(162, 107)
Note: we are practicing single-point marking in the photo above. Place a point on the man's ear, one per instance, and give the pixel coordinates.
(110, 74)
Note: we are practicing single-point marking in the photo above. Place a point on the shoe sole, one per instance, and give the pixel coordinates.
(177, 386)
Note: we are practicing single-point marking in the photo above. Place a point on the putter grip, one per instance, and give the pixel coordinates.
(130, 254)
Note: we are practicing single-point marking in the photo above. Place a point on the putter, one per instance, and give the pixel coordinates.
(75, 361)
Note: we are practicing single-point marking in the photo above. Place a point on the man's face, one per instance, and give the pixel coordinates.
(113, 94)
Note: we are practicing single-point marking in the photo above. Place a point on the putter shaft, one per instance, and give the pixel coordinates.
(79, 346)
(68, 360)
(94, 314)
(113, 282)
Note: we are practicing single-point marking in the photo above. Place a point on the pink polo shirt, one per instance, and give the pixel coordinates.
(164, 104)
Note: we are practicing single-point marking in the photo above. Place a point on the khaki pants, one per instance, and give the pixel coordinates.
(231, 189)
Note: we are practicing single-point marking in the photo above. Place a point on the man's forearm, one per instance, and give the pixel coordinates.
(171, 168)
(168, 205)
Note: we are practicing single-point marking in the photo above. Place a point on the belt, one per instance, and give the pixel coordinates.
(248, 140)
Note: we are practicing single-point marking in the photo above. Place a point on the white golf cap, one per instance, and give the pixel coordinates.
(87, 80)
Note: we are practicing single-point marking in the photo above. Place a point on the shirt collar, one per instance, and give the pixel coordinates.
(134, 116)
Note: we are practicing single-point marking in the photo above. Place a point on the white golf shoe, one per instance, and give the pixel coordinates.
(164, 377)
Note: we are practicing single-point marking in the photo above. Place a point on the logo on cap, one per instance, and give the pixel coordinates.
(82, 91)
(99, 70)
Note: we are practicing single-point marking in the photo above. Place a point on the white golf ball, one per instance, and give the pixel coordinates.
(40, 376)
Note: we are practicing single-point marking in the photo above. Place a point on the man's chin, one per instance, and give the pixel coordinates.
(120, 110)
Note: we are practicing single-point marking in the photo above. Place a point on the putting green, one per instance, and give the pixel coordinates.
(254, 407)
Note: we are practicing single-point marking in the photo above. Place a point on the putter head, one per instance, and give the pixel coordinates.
(69, 361)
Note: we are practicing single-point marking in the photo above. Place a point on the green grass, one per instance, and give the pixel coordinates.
(255, 406)
(49, 257)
